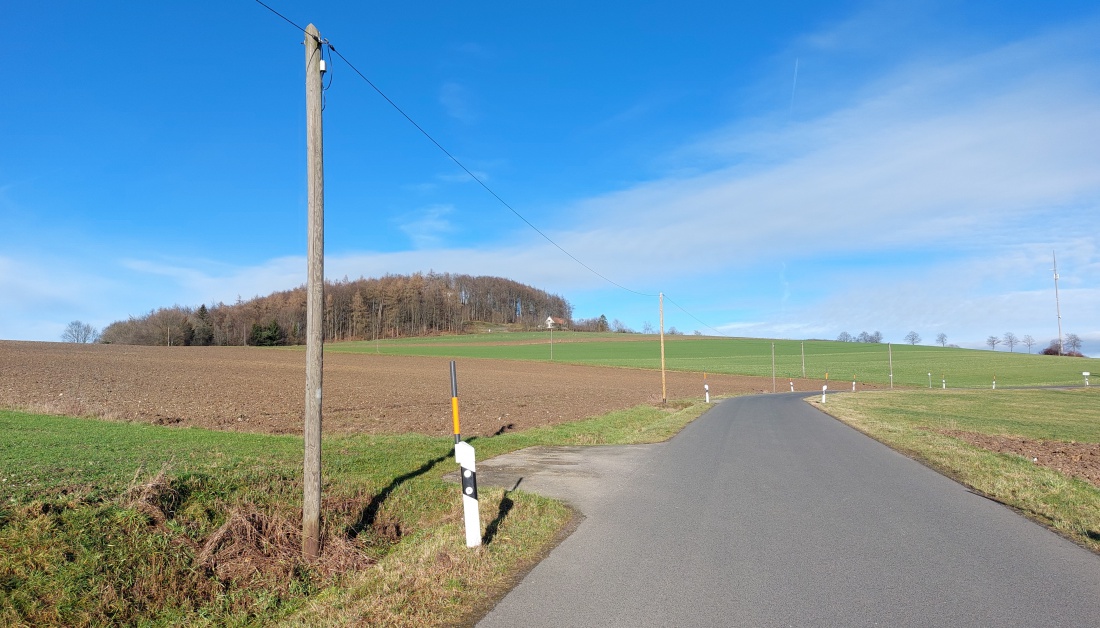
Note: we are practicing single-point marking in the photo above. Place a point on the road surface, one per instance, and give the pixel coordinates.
(766, 512)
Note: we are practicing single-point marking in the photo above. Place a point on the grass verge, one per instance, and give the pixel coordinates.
(116, 523)
(914, 422)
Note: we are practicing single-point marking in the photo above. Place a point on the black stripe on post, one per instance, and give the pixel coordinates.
(469, 483)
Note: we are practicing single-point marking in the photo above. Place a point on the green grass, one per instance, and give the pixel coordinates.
(962, 368)
(913, 421)
(108, 523)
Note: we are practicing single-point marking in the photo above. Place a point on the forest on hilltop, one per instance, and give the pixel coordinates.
(364, 309)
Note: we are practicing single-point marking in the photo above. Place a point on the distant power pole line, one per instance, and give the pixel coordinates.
(315, 300)
(1057, 305)
(664, 389)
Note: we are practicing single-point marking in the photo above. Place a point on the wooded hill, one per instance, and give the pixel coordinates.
(364, 309)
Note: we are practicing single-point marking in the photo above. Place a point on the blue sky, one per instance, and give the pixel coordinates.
(793, 170)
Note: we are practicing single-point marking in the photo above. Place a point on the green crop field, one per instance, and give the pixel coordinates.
(917, 365)
(112, 523)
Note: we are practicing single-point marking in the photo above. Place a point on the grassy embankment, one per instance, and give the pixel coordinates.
(913, 422)
(912, 364)
(106, 523)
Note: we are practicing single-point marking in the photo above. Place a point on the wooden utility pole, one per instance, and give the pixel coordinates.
(664, 394)
(315, 301)
(1057, 305)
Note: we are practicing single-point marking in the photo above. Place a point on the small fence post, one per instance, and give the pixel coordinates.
(823, 389)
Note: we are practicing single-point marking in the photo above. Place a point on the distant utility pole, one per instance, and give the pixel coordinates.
(890, 352)
(664, 394)
(315, 300)
(1057, 306)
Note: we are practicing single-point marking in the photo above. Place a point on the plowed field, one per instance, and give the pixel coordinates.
(262, 390)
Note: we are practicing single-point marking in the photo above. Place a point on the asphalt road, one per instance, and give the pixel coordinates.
(766, 512)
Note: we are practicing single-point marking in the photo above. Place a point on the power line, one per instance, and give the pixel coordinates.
(285, 18)
(478, 179)
(473, 176)
(681, 308)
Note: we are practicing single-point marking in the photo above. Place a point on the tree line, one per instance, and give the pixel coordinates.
(1071, 344)
(862, 337)
(364, 309)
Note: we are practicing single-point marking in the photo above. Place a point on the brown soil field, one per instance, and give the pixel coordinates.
(263, 390)
(1080, 460)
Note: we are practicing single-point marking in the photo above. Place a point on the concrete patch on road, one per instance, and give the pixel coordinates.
(579, 475)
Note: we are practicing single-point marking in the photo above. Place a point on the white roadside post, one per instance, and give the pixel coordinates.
(1086, 374)
(464, 452)
(792, 385)
(706, 389)
(945, 382)
(824, 387)
(853, 384)
(994, 382)
(467, 471)
(930, 379)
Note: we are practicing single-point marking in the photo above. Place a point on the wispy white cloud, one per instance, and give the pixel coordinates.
(427, 227)
(458, 102)
(203, 281)
(42, 295)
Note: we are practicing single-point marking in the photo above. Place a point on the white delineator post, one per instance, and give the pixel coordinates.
(706, 390)
(464, 453)
(1086, 374)
(791, 382)
(853, 385)
(823, 389)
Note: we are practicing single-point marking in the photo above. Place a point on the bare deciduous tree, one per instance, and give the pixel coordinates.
(993, 341)
(1072, 343)
(1028, 342)
(80, 332)
(1010, 340)
(942, 339)
(388, 307)
(912, 337)
(844, 337)
(620, 327)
